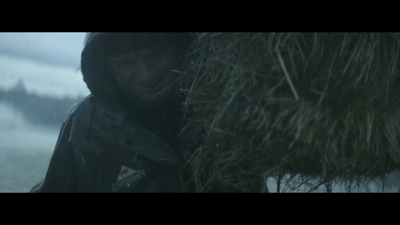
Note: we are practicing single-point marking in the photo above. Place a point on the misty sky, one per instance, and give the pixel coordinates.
(48, 63)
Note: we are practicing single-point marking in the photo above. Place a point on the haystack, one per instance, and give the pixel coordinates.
(312, 105)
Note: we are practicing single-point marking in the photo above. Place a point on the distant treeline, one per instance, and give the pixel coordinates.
(37, 109)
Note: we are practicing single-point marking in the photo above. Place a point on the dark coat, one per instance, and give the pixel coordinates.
(108, 144)
(99, 151)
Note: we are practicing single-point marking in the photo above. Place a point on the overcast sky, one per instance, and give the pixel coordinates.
(47, 62)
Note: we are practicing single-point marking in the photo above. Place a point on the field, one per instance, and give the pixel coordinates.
(25, 151)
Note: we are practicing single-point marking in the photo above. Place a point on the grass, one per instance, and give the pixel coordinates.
(321, 105)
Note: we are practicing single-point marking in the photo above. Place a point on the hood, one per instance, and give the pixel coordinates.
(96, 74)
(167, 118)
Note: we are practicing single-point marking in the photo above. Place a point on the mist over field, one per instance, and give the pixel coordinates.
(390, 184)
(29, 131)
(29, 128)
(25, 150)
(40, 80)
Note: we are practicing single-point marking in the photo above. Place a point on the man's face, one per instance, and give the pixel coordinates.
(146, 74)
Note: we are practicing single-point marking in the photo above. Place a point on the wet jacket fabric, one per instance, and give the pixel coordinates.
(99, 151)
(108, 144)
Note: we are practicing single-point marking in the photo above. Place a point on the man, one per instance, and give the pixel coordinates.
(123, 137)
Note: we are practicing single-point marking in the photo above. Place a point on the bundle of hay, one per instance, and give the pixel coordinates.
(311, 105)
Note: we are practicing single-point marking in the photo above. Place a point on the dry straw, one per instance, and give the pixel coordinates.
(312, 105)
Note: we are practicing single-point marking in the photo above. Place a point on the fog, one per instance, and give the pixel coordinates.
(47, 64)
(43, 79)
(25, 150)
(389, 184)
(43, 46)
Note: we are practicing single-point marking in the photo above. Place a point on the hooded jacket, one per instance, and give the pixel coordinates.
(111, 144)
